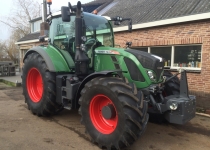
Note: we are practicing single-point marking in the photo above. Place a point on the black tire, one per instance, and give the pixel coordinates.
(130, 108)
(172, 87)
(45, 104)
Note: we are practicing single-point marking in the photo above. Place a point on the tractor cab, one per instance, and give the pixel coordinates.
(96, 32)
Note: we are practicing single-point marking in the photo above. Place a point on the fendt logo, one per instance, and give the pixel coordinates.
(107, 52)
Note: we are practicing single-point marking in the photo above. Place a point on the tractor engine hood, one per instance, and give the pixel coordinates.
(149, 61)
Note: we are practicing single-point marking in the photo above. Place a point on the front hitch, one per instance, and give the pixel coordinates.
(183, 82)
(185, 104)
(177, 109)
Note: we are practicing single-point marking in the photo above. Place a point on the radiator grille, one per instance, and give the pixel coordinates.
(148, 61)
(134, 70)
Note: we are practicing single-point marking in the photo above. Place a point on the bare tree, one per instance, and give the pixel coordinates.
(21, 14)
(2, 52)
(18, 21)
(8, 49)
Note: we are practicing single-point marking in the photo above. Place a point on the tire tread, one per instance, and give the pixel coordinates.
(48, 105)
(133, 108)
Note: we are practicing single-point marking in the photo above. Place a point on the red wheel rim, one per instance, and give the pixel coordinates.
(105, 126)
(34, 85)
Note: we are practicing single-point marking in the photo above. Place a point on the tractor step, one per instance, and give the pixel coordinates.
(66, 103)
(67, 86)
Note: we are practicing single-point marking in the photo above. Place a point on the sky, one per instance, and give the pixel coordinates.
(5, 8)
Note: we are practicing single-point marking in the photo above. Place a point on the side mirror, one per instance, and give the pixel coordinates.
(117, 23)
(42, 38)
(65, 14)
(119, 18)
(128, 44)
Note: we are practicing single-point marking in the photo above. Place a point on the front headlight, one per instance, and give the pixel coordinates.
(151, 75)
(173, 106)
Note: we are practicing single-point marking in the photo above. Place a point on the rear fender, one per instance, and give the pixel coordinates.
(52, 64)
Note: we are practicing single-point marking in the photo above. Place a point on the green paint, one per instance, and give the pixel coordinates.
(63, 62)
(104, 62)
(68, 58)
(60, 63)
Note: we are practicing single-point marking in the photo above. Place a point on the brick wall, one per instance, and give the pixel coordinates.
(178, 34)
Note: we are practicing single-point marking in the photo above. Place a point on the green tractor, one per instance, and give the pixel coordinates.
(114, 89)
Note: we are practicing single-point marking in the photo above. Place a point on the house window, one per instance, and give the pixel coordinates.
(36, 26)
(164, 52)
(186, 56)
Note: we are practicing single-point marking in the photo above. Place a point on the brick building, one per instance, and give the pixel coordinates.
(177, 30)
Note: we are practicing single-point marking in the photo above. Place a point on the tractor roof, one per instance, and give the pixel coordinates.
(58, 13)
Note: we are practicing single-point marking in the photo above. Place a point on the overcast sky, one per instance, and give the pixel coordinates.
(5, 8)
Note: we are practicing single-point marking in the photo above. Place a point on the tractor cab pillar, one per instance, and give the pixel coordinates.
(81, 59)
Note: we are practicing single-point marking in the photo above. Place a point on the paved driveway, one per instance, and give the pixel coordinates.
(21, 130)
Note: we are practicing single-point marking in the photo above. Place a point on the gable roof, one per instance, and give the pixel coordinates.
(142, 11)
(30, 36)
(35, 19)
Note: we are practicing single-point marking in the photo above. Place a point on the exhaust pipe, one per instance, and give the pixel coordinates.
(81, 59)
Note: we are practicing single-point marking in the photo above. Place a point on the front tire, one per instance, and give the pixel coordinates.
(126, 118)
(39, 86)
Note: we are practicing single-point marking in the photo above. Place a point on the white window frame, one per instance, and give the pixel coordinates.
(32, 26)
(149, 49)
(186, 68)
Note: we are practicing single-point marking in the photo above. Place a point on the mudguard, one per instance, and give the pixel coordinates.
(53, 58)
(88, 78)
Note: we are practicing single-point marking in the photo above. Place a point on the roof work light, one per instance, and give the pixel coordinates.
(49, 2)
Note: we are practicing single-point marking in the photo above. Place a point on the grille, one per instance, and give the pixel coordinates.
(158, 69)
(117, 66)
(114, 59)
(134, 70)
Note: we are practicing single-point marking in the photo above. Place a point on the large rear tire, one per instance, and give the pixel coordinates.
(126, 118)
(39, 86)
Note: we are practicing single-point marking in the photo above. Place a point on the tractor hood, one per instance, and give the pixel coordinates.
(149, 61)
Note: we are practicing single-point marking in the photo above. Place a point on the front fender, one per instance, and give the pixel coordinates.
(88, 78)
